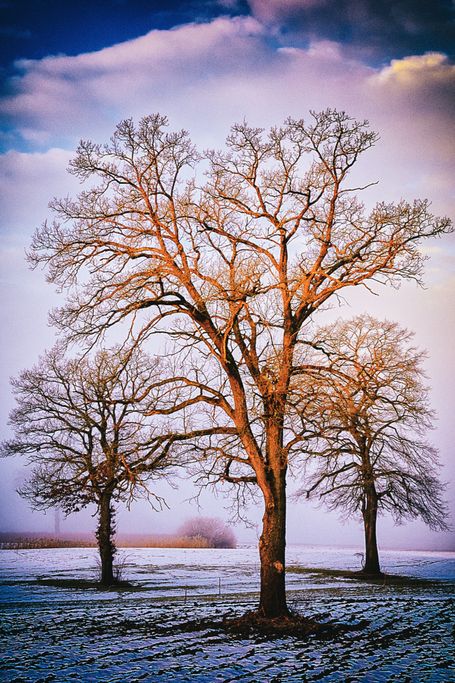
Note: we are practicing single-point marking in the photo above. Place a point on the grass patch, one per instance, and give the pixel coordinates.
(84, 584)
(30, 541)
(382, 579)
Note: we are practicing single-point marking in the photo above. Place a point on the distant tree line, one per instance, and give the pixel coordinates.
(232, 271)
(199, 532)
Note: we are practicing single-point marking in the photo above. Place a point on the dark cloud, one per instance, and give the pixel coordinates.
(375, 30)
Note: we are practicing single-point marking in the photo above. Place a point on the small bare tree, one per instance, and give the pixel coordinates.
(231, 272)
(211, 529)
(87, 429)
(366, 407)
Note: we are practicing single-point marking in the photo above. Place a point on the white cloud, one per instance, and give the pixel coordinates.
(432, 68)
(27, 183)
(205, 76)
(412, 98)
(85, 94)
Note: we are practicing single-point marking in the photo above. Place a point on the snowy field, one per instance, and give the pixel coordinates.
(396, 633)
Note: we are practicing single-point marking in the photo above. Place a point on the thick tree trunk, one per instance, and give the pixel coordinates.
(105, 535)
(272, 546)
(370, 514)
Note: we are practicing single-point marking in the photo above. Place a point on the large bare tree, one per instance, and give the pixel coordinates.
(230, 271)
(366, 405)
(89, 430)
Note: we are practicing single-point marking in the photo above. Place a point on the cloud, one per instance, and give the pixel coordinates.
(216, 72)
(85, 92)
(25, 183)
(206, 76)
(367, 27)
(425, 86)
(414, 99)
(430, 75)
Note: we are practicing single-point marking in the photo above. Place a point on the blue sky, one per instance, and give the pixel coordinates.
(37, 28)
(73, 70)
(379, 30)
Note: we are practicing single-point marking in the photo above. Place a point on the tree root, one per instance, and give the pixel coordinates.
(290, 624)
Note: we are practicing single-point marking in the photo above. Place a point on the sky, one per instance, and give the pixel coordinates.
(73, 70)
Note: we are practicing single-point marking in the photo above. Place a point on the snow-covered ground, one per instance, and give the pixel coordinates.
(397, 633)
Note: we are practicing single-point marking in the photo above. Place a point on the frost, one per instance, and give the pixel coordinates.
(392, 633)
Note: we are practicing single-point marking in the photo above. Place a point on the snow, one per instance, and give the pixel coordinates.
(396, 633)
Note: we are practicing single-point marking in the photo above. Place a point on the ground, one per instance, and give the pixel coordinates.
(391, 632)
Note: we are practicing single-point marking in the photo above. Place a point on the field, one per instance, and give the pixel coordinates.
(18, 541)
(168, 627)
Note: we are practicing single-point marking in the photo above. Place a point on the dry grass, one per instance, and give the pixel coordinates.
(14, 541)
(170, 541)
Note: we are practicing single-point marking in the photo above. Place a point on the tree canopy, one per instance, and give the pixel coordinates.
(84, 425)
(367, 410)
(88, 428)
(230, 270)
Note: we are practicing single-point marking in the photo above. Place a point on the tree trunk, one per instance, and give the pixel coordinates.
(104, 534)
(272, 546)
(370, 514)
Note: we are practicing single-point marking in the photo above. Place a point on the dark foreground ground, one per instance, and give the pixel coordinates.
(394, 632)
(395, 635)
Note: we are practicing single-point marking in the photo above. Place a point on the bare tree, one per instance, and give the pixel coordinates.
(87, 427)
(230, 272)
(211, 529)
(366, 407)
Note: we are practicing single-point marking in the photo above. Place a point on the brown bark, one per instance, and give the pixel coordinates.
(370, 514)
(272, 545)
(104, 536)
